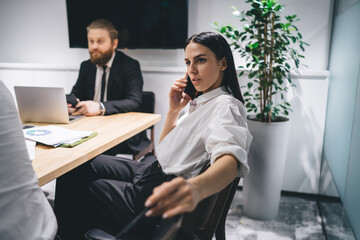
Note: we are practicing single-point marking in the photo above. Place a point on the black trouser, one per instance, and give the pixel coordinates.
(107, 193)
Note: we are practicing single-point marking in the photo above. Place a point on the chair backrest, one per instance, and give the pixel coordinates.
(208, 218)
(147, 106)
(148, 102)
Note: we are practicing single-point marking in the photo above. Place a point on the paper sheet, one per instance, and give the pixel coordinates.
(30, 145)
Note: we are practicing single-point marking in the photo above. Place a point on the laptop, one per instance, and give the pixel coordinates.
(43, 104)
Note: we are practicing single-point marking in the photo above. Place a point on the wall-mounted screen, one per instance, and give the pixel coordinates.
(159, 24)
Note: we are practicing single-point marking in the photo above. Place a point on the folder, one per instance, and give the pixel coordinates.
(75, 143)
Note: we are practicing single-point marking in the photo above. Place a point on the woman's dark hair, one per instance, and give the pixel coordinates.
(219, 46)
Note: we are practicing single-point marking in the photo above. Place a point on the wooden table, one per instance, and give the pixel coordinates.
(50, 163)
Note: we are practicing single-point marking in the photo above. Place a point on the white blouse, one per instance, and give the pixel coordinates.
(215, 125)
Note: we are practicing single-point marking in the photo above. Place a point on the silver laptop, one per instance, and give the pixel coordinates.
(43, 104)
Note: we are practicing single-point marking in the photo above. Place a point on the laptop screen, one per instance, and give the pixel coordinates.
(42, 104)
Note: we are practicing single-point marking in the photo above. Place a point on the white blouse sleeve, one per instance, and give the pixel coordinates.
(228, 134)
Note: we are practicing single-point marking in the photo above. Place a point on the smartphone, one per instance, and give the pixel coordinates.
(25, 126)
(71, 98)
(190, 90)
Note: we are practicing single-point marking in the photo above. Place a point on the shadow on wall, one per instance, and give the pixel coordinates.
(306, 135)
(302, 167)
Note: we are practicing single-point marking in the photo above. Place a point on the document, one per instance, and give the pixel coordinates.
(54, 135)
(30, 145)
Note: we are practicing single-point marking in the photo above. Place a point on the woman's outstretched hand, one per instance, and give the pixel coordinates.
(173, 198)
(177, 99)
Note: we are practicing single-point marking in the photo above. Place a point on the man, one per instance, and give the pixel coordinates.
(25, 212)
(110, 82)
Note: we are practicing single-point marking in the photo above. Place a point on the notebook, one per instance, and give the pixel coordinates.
(43, 104)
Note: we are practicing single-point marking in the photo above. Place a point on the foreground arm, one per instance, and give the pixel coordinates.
(180, 195)
(25, 213)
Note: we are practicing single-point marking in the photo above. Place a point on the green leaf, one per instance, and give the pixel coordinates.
(252, 74)
(255, 45)
(250, 84)
(293, 39)
(297, 63)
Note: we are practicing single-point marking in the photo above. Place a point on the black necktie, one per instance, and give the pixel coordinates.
(103, 84)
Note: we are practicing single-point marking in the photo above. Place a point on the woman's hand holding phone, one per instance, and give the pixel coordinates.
(177, 99)
(190, 89)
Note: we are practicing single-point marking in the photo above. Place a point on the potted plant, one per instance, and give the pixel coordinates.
(269, 42)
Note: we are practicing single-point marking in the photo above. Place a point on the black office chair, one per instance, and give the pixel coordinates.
(207, 219)
(147, 106)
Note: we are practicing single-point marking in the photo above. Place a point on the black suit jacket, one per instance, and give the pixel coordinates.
(124, 94)
(124, 86)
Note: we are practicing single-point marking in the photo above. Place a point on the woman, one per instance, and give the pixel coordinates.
(214, 128)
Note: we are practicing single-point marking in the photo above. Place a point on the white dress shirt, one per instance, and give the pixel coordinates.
(99, 73)
(215, 125)
(25, 213)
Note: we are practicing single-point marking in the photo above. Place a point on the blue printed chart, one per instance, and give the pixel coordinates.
(38, 132)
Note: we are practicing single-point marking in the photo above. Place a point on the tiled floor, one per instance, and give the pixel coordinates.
(298, 218)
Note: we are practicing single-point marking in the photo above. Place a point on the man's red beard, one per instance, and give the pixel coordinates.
(99, 58)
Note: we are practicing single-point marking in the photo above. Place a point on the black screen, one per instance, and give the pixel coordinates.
(141, 23)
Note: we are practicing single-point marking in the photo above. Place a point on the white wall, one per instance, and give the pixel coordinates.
(36, 31)
(34, 50)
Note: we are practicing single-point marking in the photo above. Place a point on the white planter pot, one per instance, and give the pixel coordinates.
(262, 186)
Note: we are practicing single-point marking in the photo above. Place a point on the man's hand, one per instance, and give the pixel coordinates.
(71, 109)
(87, 108)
